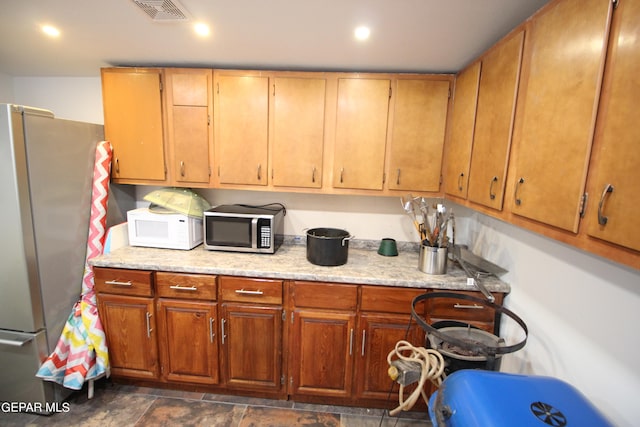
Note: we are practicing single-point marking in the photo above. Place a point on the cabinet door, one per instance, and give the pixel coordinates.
(562, 69)
(189, 113)
(322, 353)
(298, 131)
(615, 174)
(251, 339)
(361, 133)
(460, 140)
(494, 122)
(129, 326)
(417, 141)
(378, 335)
(132, 102)
(241, 128)
(188, 348)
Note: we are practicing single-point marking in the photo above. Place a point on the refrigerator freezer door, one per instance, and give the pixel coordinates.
(20, 356)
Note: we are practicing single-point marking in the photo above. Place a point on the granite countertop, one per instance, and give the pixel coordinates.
(364, 266)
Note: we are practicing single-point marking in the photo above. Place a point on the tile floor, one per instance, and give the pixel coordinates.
(122, 405)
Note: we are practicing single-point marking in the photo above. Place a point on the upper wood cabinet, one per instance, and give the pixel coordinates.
(189, 113)
(494, 122)
(298, 117)
(241, 125)
(614, 183)
(133, 123)
(460, 140)
(361, 132)
(417, 134)
(561, 74)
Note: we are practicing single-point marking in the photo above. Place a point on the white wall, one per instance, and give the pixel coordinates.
(73, 98)
(581, 310)
(6, 89)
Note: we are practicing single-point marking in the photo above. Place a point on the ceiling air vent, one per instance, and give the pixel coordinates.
(163, 10)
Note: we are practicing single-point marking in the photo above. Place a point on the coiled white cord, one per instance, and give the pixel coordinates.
(432, 368)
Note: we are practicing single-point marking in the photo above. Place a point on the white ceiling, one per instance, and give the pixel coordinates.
(406, 35)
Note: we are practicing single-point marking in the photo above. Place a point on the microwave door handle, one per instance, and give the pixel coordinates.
(254, 233)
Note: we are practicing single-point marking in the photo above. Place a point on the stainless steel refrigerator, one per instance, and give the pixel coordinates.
(46, 172)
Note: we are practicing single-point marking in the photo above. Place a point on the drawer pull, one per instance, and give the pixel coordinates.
(246, 292)
(118, 283)
(211, 333)
(467, 306)
(183, 288)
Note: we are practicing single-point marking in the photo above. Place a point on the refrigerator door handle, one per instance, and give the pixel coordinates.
(16, 343)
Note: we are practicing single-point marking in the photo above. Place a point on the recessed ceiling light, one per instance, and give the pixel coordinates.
(201, 29)
(362, 33)
(50, 31)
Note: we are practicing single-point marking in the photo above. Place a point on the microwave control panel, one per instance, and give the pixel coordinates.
(265, 236)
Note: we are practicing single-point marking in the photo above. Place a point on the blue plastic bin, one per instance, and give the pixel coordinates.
(477, 398)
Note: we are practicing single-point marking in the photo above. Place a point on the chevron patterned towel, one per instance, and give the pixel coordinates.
(81, 353)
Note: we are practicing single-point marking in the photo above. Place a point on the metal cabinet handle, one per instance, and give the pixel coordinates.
(398, 177)
(247, 292)
(351, 342)
(183, 288)
(364, 337)
(492, 195)
(222, 322)
(16, 343)
(313, 175)
(460, 180)
(117, 283)
(211, 330)
(602, 220)
(260, 172)
(518, 200)
(117, 166)
(467, 306)
(342, 175)
(149, 325)
(182, 168)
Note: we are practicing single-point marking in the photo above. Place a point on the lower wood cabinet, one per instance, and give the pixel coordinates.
(307, 341)
(251, 334)
(321, 355)
(128, 317)
(188, 344)
(384, 319)
(129, 326)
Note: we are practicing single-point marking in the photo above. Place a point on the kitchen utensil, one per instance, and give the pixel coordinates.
(328, 246)
(388, 247)
(407, 205)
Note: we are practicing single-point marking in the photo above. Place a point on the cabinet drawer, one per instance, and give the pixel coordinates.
(123, 281)
(325, 295)
(191, 286)
(390, 299)
(241, 289)
(460, 309)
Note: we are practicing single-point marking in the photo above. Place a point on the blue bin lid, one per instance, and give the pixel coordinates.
(477, 398)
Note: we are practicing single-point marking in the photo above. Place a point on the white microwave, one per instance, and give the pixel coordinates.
(163, 230)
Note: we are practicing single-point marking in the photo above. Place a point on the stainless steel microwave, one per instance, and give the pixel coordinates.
(243, 228)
